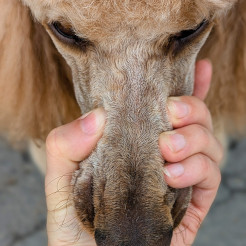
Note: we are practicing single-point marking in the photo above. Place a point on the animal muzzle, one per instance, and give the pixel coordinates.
(120, 194)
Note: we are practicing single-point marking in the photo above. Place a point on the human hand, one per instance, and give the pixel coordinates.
(193, 154)
(64, 152)
(66, 147)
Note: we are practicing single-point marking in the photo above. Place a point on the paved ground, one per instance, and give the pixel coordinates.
(22, 204)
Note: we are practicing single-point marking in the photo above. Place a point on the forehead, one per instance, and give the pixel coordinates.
(108, 16)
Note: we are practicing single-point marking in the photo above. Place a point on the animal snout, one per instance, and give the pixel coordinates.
(120, 194)
(104, 238)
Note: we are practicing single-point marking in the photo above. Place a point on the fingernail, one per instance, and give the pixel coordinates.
(178, 108)
(175, 142)
(173, 170)
(93, 121)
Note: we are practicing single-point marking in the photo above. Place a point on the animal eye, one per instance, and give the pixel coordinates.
(67, 35)
(187, 35)
(178, 41)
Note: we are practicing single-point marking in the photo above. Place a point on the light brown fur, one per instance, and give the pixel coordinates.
(130, 67)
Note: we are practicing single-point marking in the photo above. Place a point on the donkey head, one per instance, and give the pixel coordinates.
(128, 57)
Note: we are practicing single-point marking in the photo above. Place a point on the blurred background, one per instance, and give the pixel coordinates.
(23, 210)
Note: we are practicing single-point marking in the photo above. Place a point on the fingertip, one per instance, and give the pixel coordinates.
(77, 139)
(205, 60)
(93, 122)
(174, 170)
(204, 66)
(203, 75)
(165, 145)
(178, 109)
(173, 175)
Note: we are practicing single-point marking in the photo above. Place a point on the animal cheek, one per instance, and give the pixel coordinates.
(83, 199)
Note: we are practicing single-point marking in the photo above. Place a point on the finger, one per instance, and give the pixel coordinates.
(187, 110)
(65, 142)
(203, 75)
(204, 175)
(201, 173)
(196, 170)
(187, 141)
(71, 143)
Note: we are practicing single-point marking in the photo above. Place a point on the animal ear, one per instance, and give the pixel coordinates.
(183, 197)
(83, 196)
(226, 48)
(35, 81)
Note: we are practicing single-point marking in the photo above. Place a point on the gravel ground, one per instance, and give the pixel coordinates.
(22, 202)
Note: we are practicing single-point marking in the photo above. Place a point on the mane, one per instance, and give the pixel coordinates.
(36, 87)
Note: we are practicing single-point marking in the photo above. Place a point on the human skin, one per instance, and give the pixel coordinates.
(192, 153)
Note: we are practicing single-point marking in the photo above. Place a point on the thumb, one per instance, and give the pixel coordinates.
(66, 146)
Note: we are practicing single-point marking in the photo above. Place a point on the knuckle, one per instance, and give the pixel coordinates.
(217, 175)
(50, 140)
(53, 142)
(204, 110)
(207, 166)
(200, 108)
(204, 134)
(208, 117)
(204, 163)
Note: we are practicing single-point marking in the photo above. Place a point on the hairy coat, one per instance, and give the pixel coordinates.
(128, 57)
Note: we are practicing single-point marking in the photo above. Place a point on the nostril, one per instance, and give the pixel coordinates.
(100, 236)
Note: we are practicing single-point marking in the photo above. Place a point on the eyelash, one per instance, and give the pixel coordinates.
(68, 36)
(187, 35)
(179, 40)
